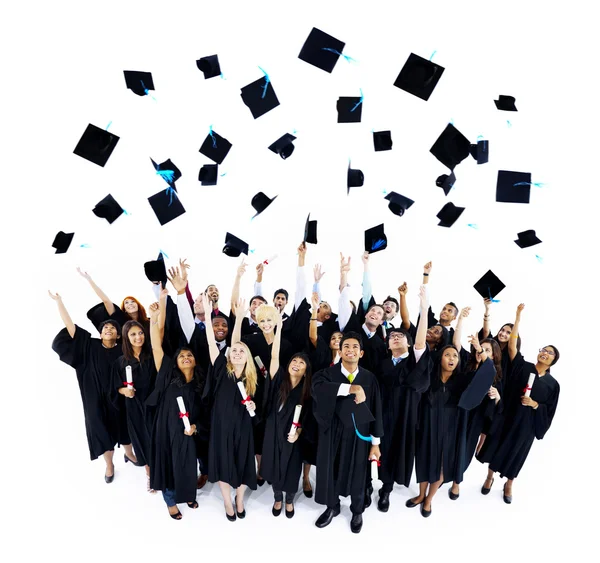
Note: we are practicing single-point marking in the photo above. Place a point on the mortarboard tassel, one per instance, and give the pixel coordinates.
(84, 245)
(539, 259)
(171, 192)
(164, 254)
(146, 91)
(212, 136)
(490, 294)
(349, 59)
(430, 58)
(536, 184)
(109, 124)
(267, 80)
(166, 175)
(378, 244)
(358, 433)
(472, 225)
(359, 101)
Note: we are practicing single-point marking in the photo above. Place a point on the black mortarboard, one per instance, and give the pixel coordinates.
(513, 187)
(382, 140)
(283, 146)
(138, 82)
(449, 214)
(527, 239)
(62, 241)
(375, 239)
(419, 76)
(215, 147)
(209, 66)
(156, 270)
(505, 103)
(108, 209)
(168, 166)
(355, 178)
(398, 203)
(446, 182)
(96, 145)
(318, 50)
(362, 414)
(451, 147)
(234, 246)
(260, 97)
(166, 206)
(349, 109)
(208, 174)
(97, 315)
(310, 231)
(480, 151)
(489, 285)
(260, 202)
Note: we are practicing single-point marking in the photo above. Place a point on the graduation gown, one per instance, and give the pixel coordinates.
(231, 444)
(401, 389)
(139, 416)
(443, 420)
(342, 457)
(507, 448)
(93, 368)
(281, 463)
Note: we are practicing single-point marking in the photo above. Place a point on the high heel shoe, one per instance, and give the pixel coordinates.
(485, 490)
(507, 499)
(176, 516)
(109, 478)
(425, 513)
(241, 515)
(193, 504)
(410, 504)
(230, 518)
(136, 463)
(453, 496)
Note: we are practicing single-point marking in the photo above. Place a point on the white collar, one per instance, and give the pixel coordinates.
(346, 373)
(402, 357)
(367, 331)
(222, 344)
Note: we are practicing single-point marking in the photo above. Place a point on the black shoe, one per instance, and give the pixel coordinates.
(383, 504)
(368, 495)
(484, 490)
(425, 513)
(230, 518)
(356, 523)
(507, 499)
(109, 478)
(453, 496)
(193, 504)
(277, 511)
(241, 515)
(176, 516)
(260, 482)
(289, 513)
(136, 463)
(327, 516)
(410, 504)
(308, 493)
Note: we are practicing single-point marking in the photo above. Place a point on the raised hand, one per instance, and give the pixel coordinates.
(183, 267)
(154, 310)
(464, 312)
(278, 321)
(427, 268)
(519, 309)
(318, 273)
(474, 340)
(241, 269)
(365, 259)
(423, 298)
(314, 301)
(207, 305)
(302, 249)
(177, 280)
(239, 309)
(344, 264)
(56, 296)
(163, 294)
(487, 302)
(259, 269)
(84, 274)
(403, 289)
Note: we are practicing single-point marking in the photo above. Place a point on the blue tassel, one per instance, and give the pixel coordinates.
(84, 245)
(472, 225)
(490, 295)
(339, 54)
(171, 192)
(508, 123)
(109, 124)
(166, 175)
(365, 438)
(221, 76)
(212, 136)
(164, 254)
(124, 211)
(430, 58)
(146, 91)
(377, 244)
(479, 137)
(267, 80)
(536, 184)
(224, 173)
(359, 101)
(252, 251)
(451, 121)
(539, 259)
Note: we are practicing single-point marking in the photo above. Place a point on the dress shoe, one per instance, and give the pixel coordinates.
(308, 493)
(425, 513)
(230, 518)
(109, 478)
(453, 496)
(484, 490)
(327, 516)
(368, 495)
(289, 513)
(277, 511)
(241, 515)
(410, 504)
(383, 504)
(507, 499)
(356, 523)
(136, 463)
(202, 480)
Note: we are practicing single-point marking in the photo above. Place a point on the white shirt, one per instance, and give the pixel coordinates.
(367, 331)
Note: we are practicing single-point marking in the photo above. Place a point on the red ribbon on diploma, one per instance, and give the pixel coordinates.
(263, 371)
(527, 388)
(296, 424)
(128, 385)
(378, 462)
(182, 414)
(246, 400)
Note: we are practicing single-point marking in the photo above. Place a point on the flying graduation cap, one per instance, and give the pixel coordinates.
(382, 140)
(283, 146)
(260, 202)
(209, 66)
(208, 174)
(513, 187)
(321, 50)
(108, 209)
(62, 241)
(166, 205)
(480, 151)
(526, 239)
(139, 82)
(505, 103)
(398, 203)
(234, 246)
(310, 231)
(451, 147)
(449, 214)
(489, 285)
(96, 145)
(355, 178)
(446, 182)
(260, 96)
(215, 147)
(419, 76)
(156, 270)
(375, 239)
(349, 109)
(168, 171)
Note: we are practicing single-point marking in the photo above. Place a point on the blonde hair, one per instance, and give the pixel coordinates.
(265, 311)
(249, 372)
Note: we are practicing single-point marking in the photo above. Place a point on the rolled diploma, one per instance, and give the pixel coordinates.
(244, 395)
(297, 412)
(529, 384)
(374, 470)
(261, 366)
(128, 377)
(269, 260)
(384, 332)
(186, 420)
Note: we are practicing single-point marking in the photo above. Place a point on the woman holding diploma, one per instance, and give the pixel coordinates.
(177, 397)
(530, 400)
(231, 445)
(288, 396)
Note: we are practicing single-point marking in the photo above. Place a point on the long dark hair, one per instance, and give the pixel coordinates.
(441, 353)
(286, 385)
(178, 376)
(512, 326)
(497, 359)
(128, 348)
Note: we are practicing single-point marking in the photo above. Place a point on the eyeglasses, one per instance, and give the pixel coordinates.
(542, 350)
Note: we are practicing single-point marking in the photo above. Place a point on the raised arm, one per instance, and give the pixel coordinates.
(108, 304)
(155, 334)
(239, 311)
(274, 367)
(367, 290)
(421, 336)
(512, 341)
(312, 324)
(464, 313)
(64, 315)
(486, 318)
(318, 274)
(235, 292)
(404, 314)
(258, 282)
(184, 312)
(300, 294)
(426, 272)
(344, 305)
(213, 349)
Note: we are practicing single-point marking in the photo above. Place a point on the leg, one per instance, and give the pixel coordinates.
(203, 476)
(226, 492)
(278, 495)
(148, 487)
(289, 505)
(108, 459)
(422, 493)
(258, 458)
(306, 486)
(433, 487)
(480, 443)
(169, 497)
(454, 489)
(508, 489)
(129, 452)
(239, 498)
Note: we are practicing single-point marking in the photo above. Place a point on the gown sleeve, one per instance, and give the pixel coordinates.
(418, 378)
(324, 393)
(479, 385)
(376, 426)
(545, 413)
(72, 351)
(163, 380)
(212, 377)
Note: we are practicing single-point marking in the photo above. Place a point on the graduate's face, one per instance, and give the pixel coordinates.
(374, 316)
(109, 332)
(334, 341)
(297, 367)
(237, 355)
(504, 333)
(390, 309)
(323, 312)
(267, 324)
(213, 293)
(448, 313)
(546, 356)
(489, 351)
(186, 360)
(398, 342)
(280, 302)
(221, 329)
(449, 360)
(136, 337)
(434, 334)
(199, 306)
(130, 306)
(351, 351)
(255, 304)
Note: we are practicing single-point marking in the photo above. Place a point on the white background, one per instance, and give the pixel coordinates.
(64, 67)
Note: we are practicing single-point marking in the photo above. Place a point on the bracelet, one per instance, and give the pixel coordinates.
(154, 322)
(514, 336)
(486, 316)
(425, 274)
(311, 320)
(479, 351)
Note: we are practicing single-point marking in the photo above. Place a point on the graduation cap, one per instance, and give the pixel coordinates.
(449, 214)
(168, 171)
(215, 147)
(310, 231)
(108, 209)
(283, 146)
(355, 178)
(382, 140)
(234, 246)
(505, 103)
(321, 50)
(361, 412)
(349, 109)
(166, 205)
(156, 270)
(97, 315)
(209, 66)
(527, 238)
(260, 97)
(480, 151)
(139, 82)
(375, 239)
(513, 187)
(260, 202)
(62, 241)
(446, 182)
(208, 174)
(489, 285)
(419, 76)
(96, 145)
(451, 147)
(398, 203)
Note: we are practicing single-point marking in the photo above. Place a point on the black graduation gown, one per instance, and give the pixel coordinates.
(342, 457)
(246, 329)
(401, 389)
(281, 462)
(443, 420)
(507, 448)
(231, 444)
(93, 364)
(173, 453)
(139, 416)
(374, 348)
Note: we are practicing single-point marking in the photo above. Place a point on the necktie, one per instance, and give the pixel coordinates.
(350, 377)
(396, 360)
(201, 325)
